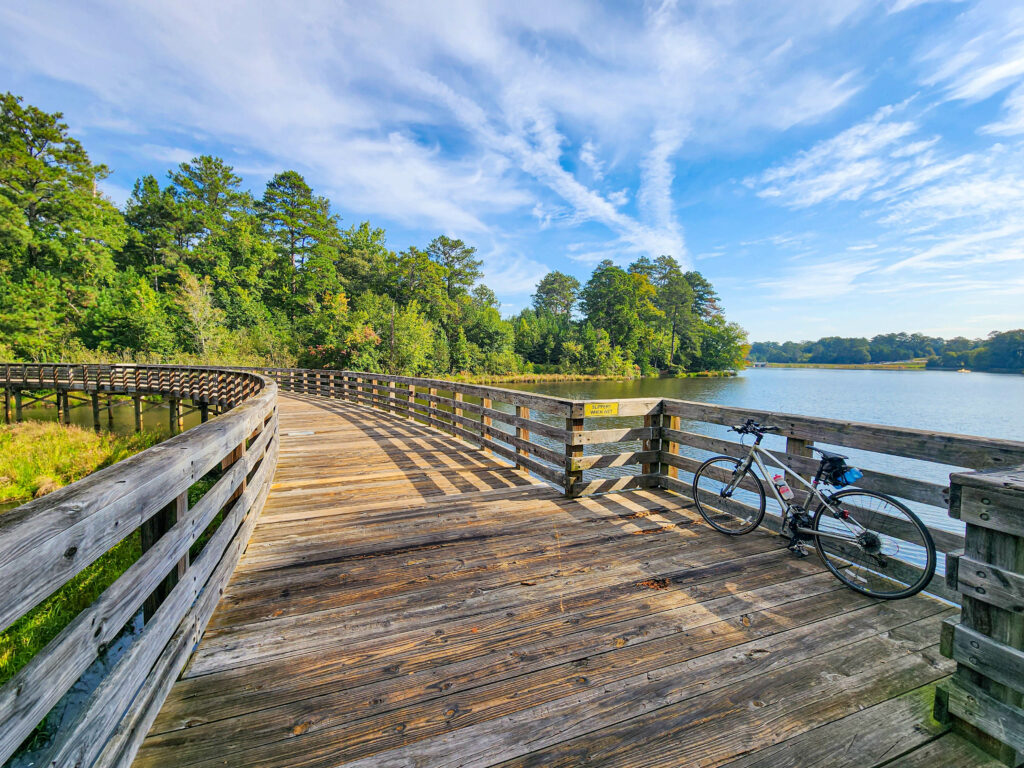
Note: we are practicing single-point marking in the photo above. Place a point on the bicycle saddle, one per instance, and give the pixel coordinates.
(828, 454)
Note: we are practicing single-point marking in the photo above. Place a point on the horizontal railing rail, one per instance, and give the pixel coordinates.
(225, 464)
(601, 446)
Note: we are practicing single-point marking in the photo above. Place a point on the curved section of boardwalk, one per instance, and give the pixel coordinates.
(407, 601)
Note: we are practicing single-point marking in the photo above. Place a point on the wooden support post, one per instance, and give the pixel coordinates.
(18, 411)
(174, 415)
(204, 413)
(653, 422)
(95, 396)
(674, 422)
(65, 406)
(391, 397)
(432, 408)
(798, 447)
(522, 433)
(984, 700)
(137, 407)
(456, 411)
(7, 405)
(110, 412)
(150, 533)
(485, 422)
(573, 453)
(412, 401)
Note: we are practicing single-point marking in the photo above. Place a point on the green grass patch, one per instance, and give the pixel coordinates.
(35, 459)
(30, 634)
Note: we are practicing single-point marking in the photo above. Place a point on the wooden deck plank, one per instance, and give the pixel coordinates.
(407, 601)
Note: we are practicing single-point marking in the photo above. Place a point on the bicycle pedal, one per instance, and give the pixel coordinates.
(799, 550)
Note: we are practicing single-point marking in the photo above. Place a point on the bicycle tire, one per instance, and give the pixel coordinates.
(865, 570)
(747, 517)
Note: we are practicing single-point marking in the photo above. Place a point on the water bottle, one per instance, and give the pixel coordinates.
(784, 490)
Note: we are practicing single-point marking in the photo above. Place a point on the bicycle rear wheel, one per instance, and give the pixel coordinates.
(729, 500)
(874, 544)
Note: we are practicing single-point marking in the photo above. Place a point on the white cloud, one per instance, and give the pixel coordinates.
(830, 278)
(845, 167)
(588, 156)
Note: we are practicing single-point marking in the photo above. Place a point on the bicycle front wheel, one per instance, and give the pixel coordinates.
(874, 544)
(729, 498)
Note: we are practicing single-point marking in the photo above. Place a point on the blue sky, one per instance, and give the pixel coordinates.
(835, 167)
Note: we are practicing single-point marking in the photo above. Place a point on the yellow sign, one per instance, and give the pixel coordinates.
(600, 409)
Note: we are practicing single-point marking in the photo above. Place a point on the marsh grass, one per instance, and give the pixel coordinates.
(39, 457)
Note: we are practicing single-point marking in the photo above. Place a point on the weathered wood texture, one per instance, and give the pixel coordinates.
(407, 602)
(48, 541)
(985, 698)
(647, 446)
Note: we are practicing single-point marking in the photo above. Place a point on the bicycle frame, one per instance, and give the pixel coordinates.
(754, 457)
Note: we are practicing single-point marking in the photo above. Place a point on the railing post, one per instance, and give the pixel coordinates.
(573, 452)
(485, 424)
(522, 412)
(150, 533)
(653, 422)
(984, 700)
(674, 423)
(432, 408)
(797, 446)
(391, 397)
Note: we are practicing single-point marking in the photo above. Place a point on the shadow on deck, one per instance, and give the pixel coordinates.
(406, 602)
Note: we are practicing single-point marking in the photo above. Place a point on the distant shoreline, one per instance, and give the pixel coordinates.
(912, 366)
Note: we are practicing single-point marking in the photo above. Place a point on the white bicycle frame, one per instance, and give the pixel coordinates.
(754, 456)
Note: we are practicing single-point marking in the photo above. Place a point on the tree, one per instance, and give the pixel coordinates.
(52, 218)
(620, 303)
(459, 262)
(203, 322)
(153, 216)
(301, 228)
(209, 195)
(705, 299)
(557, 293)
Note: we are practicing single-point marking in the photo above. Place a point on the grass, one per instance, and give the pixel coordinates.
(37, 458)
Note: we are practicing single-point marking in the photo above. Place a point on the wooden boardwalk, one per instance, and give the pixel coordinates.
(405, 601)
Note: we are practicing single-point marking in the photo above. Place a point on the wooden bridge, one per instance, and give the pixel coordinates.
(384, 571)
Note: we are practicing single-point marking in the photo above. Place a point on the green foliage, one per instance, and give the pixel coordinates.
(198, 269)
(1000, 351)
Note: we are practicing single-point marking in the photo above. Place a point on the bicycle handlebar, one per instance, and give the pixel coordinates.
(751, 427)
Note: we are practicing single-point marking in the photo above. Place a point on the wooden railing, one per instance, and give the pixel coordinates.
(600, 446)
(227, 463)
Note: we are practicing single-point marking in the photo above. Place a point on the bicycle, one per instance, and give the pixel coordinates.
(856, 533)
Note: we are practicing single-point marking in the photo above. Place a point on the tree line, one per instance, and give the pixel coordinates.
(198, 266)
(1000, 351)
